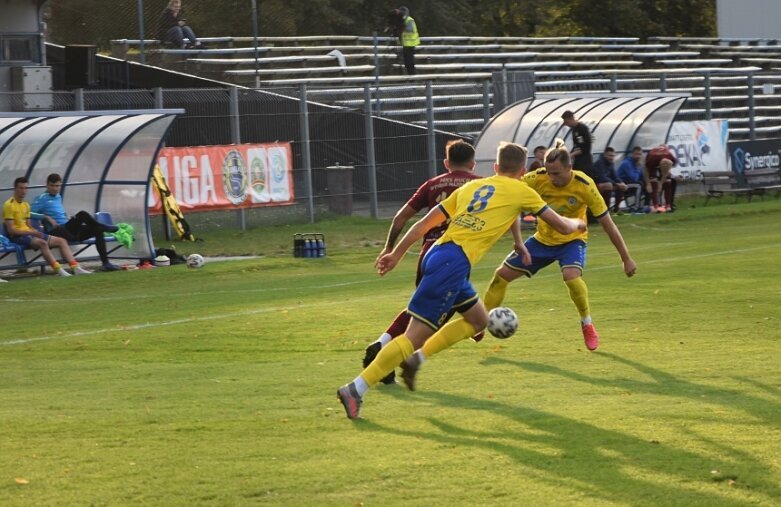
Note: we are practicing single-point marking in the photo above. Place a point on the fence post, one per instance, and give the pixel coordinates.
(140, 9)
(157, 93)
(486, 101)
(371, 163)
(233, 94)
(255, 40)
(303, 115)
(613, 83)
(752, 124)
(430, 135)
(663, 83)
(376, 43)
(708, 101)
(78, 99)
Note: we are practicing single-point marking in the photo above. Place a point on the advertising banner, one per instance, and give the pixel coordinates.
(699, 146)
(747, 156)
(205, 178)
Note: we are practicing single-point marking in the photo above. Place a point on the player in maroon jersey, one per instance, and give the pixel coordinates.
(658, 163)
(459, 162)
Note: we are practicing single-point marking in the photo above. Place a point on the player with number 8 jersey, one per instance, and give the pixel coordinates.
(480, 212)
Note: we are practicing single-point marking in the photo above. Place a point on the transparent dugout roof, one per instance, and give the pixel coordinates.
(105, 159)
(618, 120)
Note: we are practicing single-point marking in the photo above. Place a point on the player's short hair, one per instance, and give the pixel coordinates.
(511, 157)
(609, 149)
(558, 153)
(20, 179)
(459, 153)
(53, 178)
(567, 115)
(539, 148)
(637, 148)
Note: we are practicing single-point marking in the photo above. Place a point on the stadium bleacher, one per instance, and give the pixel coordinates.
(459, 67)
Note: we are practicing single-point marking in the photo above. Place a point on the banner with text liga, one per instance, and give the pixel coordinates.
(699, 146)
(206, 178)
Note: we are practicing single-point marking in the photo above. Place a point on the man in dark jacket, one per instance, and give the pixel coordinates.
(604, 175)
(581, 143)
(172, 26)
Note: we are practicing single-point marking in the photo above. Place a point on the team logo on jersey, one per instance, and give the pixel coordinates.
(235, 180)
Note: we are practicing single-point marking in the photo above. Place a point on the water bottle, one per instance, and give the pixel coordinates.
(298, 246)
(320, 242)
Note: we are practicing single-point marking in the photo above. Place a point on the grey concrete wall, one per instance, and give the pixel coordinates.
(18, 16)
(749, 18)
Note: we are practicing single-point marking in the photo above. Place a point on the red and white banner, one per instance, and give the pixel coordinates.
(205, 178)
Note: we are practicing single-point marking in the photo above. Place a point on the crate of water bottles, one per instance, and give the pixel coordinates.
(309, 245)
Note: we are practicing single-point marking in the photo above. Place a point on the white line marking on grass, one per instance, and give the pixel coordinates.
(209, 293)
(149, 325)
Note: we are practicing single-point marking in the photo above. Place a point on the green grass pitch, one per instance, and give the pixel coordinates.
(216, 386)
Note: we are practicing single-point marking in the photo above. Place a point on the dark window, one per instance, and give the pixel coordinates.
(17, 48)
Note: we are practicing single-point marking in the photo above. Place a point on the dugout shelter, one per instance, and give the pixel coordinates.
(618, 120)
(105, 158)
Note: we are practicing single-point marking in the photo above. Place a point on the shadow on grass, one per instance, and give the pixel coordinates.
(665, 384)
(579, 456)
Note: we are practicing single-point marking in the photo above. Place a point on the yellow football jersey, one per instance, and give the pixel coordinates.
(17, 211)
(481, 211)
(571, 201)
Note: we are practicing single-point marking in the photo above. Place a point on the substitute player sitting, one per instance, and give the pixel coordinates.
(571, 193)
(480, 212)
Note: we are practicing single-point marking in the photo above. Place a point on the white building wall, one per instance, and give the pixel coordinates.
(749, 18)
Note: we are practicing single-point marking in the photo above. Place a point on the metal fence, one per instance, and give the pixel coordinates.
(389, 158)
(393, 136)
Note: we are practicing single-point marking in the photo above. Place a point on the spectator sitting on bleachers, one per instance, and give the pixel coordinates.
(78, 228)
(16, 217)
(539, 158)
(630, 172)
(658, 179)
(604, 175)
(173, 28)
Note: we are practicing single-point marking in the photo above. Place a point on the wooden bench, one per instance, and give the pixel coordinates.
(763, 182)
(758, 182)
(721, 183)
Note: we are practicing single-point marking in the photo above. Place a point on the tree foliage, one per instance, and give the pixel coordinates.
(91, 22)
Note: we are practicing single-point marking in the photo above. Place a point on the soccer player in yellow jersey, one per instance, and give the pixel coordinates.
(16, 218)
(570, 193)
(480, 211)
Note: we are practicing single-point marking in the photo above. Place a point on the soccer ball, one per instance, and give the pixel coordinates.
(502, 322)
(195, 261)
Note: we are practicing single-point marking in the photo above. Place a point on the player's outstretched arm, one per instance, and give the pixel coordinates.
(562, 224)
(397, 225)
(606, 221)
(387, 262)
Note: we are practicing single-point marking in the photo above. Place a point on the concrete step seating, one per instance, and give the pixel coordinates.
(560, 64)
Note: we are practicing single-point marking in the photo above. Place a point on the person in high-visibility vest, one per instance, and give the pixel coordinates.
(410, 39)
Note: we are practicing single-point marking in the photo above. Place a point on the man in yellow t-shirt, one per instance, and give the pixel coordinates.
(570, 193)
(16, 218)
(480, 212)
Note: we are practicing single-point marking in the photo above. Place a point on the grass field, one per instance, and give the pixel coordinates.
(216, 386)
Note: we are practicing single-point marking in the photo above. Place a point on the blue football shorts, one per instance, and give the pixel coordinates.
(445, 285)
(25, 240)
(568, 255)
